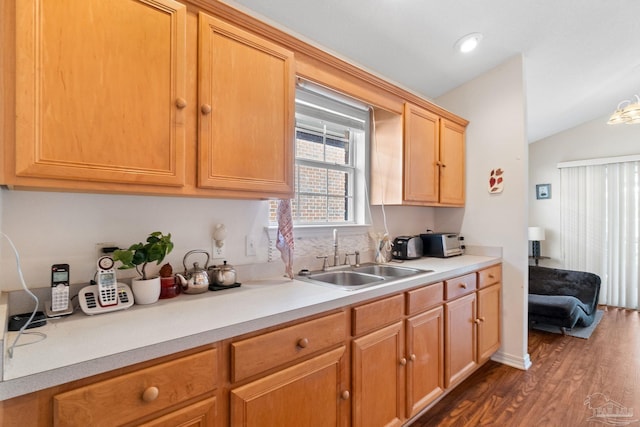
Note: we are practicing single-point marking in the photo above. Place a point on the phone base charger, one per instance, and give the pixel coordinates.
(17, 321)
(50, 313)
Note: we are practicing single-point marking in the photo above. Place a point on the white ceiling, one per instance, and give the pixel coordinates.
(582, 57)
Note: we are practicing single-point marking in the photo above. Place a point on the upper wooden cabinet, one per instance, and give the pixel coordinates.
(452, 163)
(246, 89)
(418, 158)
(100, 91)
(421, 156)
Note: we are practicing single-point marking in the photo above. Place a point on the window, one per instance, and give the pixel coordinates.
(330, 160)
(600, 225)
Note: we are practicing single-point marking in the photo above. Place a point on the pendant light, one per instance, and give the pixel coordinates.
(627, 112)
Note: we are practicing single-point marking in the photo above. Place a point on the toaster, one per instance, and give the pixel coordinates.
(407, 247)
(441, 245)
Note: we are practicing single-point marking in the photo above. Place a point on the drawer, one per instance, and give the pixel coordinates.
(376, 314)
(421, 299)
(131, 396)
(458, 286)
(489, 276)
(254, 355)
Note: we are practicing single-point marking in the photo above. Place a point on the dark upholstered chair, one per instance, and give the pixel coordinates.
(562, 298)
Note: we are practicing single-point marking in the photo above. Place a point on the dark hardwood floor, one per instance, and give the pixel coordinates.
(569, 377)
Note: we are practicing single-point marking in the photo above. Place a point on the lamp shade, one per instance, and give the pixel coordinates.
(536, 233)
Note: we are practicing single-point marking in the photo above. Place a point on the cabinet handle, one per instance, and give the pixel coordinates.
(150, 394)
(181, 103)
(463, 285)
(403, 361)
(477, 321)
(345, 395)
(491, 276)
(303, 342)
(412, 357)
(205, 108)
(482, 319)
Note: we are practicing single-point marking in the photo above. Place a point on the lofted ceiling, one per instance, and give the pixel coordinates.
(581, 57)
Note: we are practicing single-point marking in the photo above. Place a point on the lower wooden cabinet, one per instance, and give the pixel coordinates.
(126, 398)
(378, 383)
(307, 394)
(201, 414)
(460, 339)
(425, 367)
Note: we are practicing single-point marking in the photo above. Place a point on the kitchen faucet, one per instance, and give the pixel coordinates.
(336, 257)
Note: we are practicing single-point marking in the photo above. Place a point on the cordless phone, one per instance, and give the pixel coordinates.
(107, 284)
(59, 287)
(108, 295)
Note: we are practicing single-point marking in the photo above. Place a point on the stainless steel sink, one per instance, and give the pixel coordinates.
(352, 278)
(346, 278)
(387, 270)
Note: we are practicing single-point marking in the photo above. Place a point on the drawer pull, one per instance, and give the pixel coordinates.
(181, 103)
(150, 394)
(345, 395)
(303, 342)
(491, 276)
(412, 357)
(403, 361)
(463, 285)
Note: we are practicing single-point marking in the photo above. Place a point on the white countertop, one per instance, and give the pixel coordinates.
(79, 346)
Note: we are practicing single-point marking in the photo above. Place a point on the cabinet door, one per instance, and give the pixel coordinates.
(377, 375)
(247, 107)
(460, 339)
(100, 90)
(488, 322)
(452, 163)
(307, 394)
(421, 136)
(201, 414)
(425, 370)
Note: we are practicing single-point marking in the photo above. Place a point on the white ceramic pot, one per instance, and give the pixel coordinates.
(146, 291)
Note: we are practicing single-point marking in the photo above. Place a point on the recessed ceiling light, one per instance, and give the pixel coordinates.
(468, 43)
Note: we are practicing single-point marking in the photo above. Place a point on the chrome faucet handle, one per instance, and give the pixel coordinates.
(357, 254)
(325, 264)
(347, 261)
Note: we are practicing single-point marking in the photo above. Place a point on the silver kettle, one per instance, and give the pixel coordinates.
(196, 280)
(223, 275)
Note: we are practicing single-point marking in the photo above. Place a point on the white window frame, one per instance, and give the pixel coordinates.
(322, 104)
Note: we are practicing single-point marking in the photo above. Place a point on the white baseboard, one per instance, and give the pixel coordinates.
(519, 362)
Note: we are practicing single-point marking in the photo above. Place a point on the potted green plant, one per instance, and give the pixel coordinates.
(145, 290)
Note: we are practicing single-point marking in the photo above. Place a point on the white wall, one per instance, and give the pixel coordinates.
(591, 140)
(53, 227)
(494, 104)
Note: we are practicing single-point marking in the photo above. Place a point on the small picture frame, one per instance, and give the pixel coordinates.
(543, 191)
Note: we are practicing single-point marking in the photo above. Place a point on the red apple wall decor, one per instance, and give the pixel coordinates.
(496, 181)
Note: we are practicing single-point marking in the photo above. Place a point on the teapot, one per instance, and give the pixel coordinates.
(223, 275)
(196, 280)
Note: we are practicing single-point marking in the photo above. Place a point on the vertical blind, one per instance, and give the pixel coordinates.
(600, 215)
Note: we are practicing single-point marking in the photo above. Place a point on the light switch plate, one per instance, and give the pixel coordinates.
(250, 246)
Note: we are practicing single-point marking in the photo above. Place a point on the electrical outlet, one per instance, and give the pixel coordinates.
(250, 246)
(218, 252)
(99, 246)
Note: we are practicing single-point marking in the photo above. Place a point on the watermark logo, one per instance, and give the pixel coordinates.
(609, 412)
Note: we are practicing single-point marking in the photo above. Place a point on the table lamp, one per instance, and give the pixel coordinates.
(536, 234)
